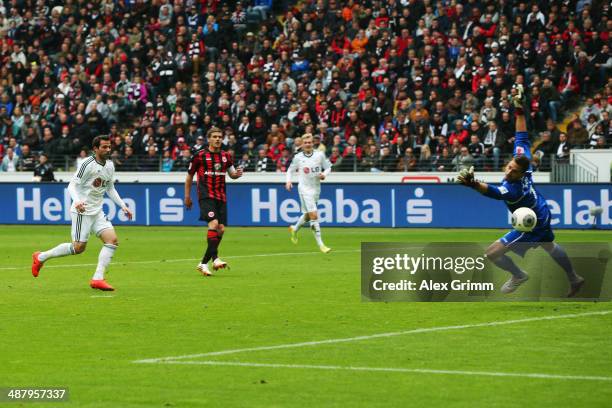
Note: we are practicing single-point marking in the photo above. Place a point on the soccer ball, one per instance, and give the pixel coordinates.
(524, 219)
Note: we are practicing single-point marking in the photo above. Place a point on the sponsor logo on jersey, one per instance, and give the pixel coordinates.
(97, 182)
(217, 166)
(306, 170)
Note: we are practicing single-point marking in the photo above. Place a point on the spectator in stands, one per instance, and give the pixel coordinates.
(151, 161)
(589, 109)
(10, 162)
(443, 159)
(167, 162)
(27, 162)
(44, 170)
(264, 162)
(563, 149)
(129, 162)
(577, 135)
(182, 161)
(463, 160)
(170, 70)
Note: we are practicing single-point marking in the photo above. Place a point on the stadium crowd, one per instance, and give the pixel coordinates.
(394, 85)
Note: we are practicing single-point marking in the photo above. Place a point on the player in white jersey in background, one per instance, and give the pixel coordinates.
(93, 178)
(312, 167)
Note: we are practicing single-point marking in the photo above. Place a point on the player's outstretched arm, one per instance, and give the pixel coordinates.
(503, 192)
(522, 144)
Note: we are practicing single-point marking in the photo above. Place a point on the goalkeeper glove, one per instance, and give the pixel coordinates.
(466, 177)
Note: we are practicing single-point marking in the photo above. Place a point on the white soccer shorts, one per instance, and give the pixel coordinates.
(83, 225)
(309, 202)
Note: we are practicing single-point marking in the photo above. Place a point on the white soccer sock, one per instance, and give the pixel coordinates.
(300, 223)
(59, 251)
(106, 254)
(316, 229)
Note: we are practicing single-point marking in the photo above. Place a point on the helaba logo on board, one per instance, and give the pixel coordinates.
(36, 205)
(31, 206)
(571, 211)
(342, 210)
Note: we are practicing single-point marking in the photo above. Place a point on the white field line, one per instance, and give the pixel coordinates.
(395, 370)
(371, 336)
(7, 268)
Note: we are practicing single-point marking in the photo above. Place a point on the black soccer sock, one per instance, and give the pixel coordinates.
(507, 264)
(211, 249)
(219, 237)
(561, 258)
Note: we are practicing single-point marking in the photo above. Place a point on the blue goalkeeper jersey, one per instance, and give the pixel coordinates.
(522, 193)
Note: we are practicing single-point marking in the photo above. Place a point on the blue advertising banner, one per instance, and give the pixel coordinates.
(354, 205)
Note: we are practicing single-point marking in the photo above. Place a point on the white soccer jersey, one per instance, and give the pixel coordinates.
(309, 167)
(89, 184)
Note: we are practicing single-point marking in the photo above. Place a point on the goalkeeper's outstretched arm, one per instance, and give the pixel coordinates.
(506, 193)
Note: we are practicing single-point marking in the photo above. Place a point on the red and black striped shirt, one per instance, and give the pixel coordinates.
(211, 169)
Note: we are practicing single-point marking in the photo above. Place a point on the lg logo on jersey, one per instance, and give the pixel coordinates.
(313, 170)
(100, 183)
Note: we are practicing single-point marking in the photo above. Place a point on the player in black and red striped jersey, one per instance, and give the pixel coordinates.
(211, 165)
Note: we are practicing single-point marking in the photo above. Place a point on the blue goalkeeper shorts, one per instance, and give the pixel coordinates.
(521, 242)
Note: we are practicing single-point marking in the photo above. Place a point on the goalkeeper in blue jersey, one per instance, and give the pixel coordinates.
(517, 191)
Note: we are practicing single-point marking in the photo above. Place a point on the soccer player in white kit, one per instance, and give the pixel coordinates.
(93, 178)
(312, 167)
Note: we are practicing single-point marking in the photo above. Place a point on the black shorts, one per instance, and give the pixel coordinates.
(211, 209)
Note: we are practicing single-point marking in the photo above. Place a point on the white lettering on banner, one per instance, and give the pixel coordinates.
(371, 215)
(605, 203)
(23, 204)
(325, 211)
(419, 211)
(287, 207)
(555, 209)
(257, 206)
(52, 209)
(567, 206)
(171, 209)
(341, 204)
(583, 217)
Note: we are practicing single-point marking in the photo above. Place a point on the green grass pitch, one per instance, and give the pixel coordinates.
(56, 331)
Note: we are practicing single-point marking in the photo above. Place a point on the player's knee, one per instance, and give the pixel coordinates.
(79, 247)
(112, 241)
(494, 251)
(313, 216)
(213, 225)
(220, 229)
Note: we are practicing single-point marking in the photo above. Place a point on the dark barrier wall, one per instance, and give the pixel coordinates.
(364, 205)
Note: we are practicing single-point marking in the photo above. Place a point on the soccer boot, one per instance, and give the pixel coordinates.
(293, 232)
(36, 264)
(100, 284)
(203, 269)
(575, 287)
(219, 264)
(324, 249)
(513, 283)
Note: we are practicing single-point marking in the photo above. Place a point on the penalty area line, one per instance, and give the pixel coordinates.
(10, 268)
(372, 336)
(394, 370)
